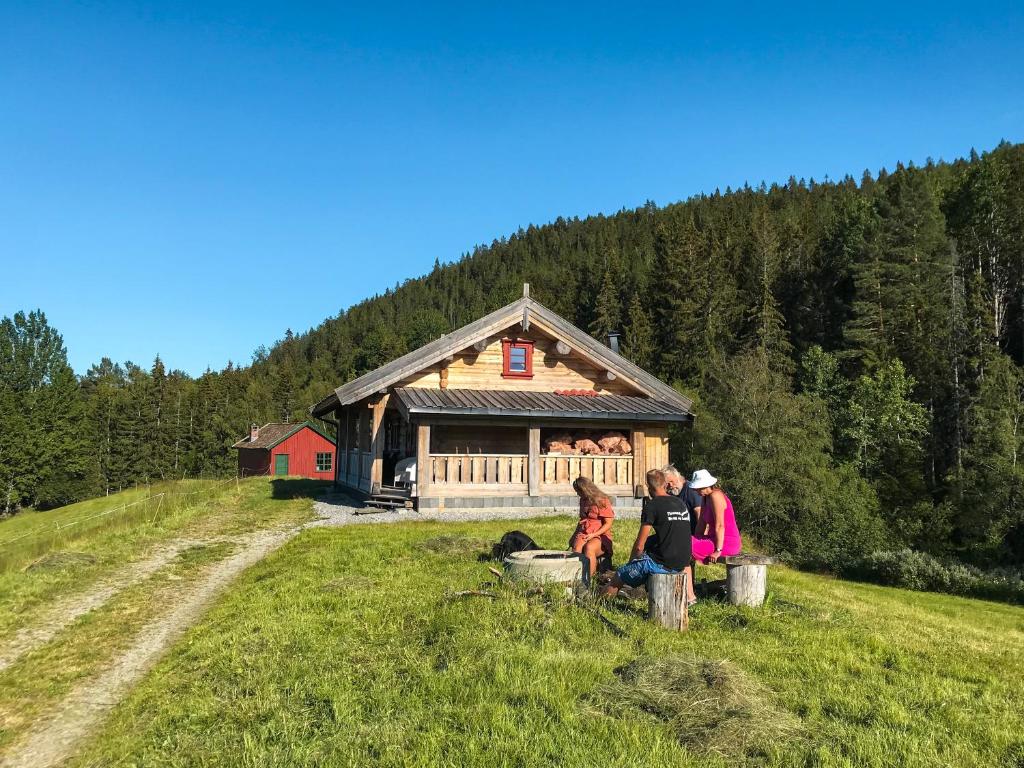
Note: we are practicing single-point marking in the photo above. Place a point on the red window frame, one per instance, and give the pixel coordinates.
(506, 354)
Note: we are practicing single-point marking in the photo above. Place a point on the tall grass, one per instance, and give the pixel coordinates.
(31, 535)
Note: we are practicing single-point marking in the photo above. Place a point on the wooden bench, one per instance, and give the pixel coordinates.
(746, 577)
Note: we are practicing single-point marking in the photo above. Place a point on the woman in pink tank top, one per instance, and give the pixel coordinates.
(717, 534)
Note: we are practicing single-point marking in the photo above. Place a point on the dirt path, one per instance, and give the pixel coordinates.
(54, 738)
(64, 613)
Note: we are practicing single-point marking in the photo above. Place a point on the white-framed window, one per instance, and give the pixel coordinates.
(517, 359)
(324, 461)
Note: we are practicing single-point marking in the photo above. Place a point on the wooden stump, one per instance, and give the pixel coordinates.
(666, 600)
(746, 577)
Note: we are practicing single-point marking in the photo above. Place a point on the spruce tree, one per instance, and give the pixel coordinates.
(66, 466)
(607, 308)
(768, 333)
(15, 488)
(639, 336)
(674, 324)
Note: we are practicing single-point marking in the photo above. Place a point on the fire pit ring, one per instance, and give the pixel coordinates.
(547, 566)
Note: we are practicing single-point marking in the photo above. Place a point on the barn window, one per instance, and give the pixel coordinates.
(517, 359)
(324, 461)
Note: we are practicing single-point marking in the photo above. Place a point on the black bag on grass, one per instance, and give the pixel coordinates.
(513, 541)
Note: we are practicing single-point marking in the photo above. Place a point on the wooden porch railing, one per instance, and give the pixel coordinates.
(448, 469)
(603, 470)
(478, 469)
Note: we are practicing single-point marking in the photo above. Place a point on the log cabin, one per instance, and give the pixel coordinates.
(506, 411)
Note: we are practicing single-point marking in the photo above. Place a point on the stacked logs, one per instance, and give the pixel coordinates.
(589, 444)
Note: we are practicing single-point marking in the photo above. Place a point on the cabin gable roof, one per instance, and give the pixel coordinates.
(273, 434)
(525, 311)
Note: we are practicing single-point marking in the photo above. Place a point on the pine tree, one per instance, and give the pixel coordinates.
(768, 333)
(607, 308)
(14, 459)
(44, 404)
(66, 468)
(991, 528)
(675, 321)
(639, 337)
(101, 387)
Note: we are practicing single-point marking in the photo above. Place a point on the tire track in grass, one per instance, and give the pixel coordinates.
(60, 616)
(55, 738)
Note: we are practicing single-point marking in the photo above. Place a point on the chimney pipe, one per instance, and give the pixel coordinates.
(254, 432)
(613, 341)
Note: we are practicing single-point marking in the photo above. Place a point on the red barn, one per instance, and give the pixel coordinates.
(300, 450)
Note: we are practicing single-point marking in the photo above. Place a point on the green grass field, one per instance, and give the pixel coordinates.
(61, 562)
(44, 555)
(347, 647)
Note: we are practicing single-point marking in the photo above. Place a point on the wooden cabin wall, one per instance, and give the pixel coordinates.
(475, 438)
(472, 370)
(655, 448)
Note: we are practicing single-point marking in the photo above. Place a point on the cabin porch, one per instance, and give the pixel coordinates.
(471, 460)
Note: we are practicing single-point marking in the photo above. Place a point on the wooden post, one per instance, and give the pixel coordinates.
(746, 577)
(666, 600)
(377, 445)
(423, 460)
(639, 463)
(348, 444)
(337, 445)
(533, 470)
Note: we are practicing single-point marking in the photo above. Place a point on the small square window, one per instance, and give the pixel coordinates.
(324, 461)
(517, 359)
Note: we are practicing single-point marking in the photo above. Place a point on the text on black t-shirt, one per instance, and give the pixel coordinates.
(671, 521)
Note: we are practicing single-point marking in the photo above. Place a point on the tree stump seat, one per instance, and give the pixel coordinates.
(746, 577)
(666, 600)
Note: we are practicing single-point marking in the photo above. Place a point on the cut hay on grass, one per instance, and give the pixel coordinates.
(204, 553)
(710, 706)
(56, 561)
(454, 544)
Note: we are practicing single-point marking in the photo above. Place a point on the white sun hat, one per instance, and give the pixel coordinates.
(702, 479)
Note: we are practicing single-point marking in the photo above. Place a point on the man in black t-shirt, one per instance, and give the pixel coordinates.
(668, 518)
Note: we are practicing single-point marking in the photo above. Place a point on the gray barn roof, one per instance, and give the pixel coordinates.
(505, 403)
(523, 310)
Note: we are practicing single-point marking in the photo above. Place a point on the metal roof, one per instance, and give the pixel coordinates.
(512, 404)
(270, 435)
(524, 311)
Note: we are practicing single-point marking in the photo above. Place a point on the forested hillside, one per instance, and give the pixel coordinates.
(854, 347)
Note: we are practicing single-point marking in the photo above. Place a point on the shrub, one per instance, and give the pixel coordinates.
(916, 570)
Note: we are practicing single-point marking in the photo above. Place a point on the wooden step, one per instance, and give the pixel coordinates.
(389, 502)
(372, 510)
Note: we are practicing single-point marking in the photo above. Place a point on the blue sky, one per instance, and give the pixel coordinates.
(191, 181)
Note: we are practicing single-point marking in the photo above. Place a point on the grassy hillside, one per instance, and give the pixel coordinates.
(349, 647)
(89, 581)
(42, 554)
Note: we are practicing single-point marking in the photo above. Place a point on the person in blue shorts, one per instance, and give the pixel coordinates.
(668, 518)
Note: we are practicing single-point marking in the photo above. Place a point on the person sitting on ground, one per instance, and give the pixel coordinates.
(668, 517)
(593, 534)
(717, 534)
